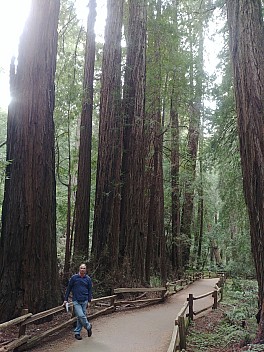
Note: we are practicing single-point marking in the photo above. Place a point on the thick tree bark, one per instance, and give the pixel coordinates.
(105, 247)
(155, 244)
(176, 258)
(247, 51)
(132, 239)
(82, 205)
(28, 274)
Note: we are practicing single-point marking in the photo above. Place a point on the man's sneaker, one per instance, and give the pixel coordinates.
(78, 337)
(90, 331)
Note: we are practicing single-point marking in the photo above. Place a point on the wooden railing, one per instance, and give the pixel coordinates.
(187, 313)
(123, 298)
(178, 285)
(27, 340)
(103, 305)
(140, 300)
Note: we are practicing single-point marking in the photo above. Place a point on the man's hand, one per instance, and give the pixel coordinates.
(64, 303)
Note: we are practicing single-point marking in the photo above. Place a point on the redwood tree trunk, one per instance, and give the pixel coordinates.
(105, 247)
(155, 242)
(132, 203)
(176, 258)
(247, 51)
(28, 275)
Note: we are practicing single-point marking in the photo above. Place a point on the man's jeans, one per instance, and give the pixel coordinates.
(80, 313)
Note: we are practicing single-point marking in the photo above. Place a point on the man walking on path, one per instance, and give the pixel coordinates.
(81, 287)
(149, 329)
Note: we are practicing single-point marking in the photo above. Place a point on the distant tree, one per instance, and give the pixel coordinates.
(196, 42)
(245, 23)
(199, 223)
(69, 93)
(105, 246)
(82, 205)
(28, 258)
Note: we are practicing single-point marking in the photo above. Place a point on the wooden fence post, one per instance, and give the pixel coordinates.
(190, 299)
(222, 293)
(112, 302)
(214, 295)
(182, 332)
(22, 329)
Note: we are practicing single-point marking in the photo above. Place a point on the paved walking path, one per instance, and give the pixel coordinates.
(142, 330)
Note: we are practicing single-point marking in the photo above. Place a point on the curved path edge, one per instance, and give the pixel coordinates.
(142, 330)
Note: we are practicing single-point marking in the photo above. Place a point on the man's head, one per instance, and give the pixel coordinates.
(82, 269)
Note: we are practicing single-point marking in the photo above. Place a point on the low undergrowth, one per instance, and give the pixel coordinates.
(232, 327)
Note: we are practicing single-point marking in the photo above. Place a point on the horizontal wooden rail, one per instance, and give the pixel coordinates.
(104, 311)
(203, 296)
(182, 311)
(15, 343)
(146, 300)
(175, 339)
(100, 299)
(14, 321)
(44, 314)
(36, 339)
(139, 289)
(201, 310)
(178, 339)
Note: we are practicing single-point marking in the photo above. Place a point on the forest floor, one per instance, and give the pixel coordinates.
(212, 333)
(233, 326)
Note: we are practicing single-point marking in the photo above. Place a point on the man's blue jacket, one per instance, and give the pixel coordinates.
(81, 288)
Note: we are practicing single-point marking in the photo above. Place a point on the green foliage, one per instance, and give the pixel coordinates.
(241, 295)
(239, 305)
(69, 93)
(155, 281)
(230, 229)
(69, 77)
(222, 335)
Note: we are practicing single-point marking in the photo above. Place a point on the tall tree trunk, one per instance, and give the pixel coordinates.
(82, 204)
(105, 246)
(28, 238)
(132, 239)
(200, 224)
(198, 236)
(247, 51)
(155, 244)
(69, 185)
(175, 187)
(193, 140)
